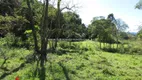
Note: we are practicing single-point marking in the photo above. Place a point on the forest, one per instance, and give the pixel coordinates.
(47, 40)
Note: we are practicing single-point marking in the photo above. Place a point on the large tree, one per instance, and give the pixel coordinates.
(103, 29)
(92, 27)
(73, 25)
(121, 25)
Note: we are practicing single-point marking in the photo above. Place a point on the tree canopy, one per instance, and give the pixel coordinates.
(139, 5)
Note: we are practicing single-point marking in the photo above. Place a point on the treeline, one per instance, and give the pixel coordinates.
(15, 18)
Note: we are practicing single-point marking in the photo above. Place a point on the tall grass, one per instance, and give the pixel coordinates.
(78, 61)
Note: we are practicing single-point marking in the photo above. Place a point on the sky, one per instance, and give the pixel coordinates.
(124, 9)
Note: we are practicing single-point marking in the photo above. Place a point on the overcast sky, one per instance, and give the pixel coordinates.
(124, 9)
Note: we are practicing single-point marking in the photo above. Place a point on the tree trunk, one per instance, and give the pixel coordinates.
(44, 39)
(43, 52)
(32, 25)
(58, 22)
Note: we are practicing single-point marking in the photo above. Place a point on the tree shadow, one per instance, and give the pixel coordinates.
(65, 51)
(123, 51)
(14, 70)
(51, 70)
(113, 50)
(28, 60)
(4, 68)
(36, 72)
(65, 71)
(42, 73)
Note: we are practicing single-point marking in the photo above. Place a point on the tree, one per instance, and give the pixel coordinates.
(33, 28)
(58, 23)
(59, 18)
(139, 35)
(9, 21)
(103, 29)
(43, 35)
(121, 26)
(92, 27)
(7, 7)
(140, 27)
(73, 25)
(139, 5)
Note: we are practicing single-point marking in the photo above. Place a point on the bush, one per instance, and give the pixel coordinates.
(68, 45)
(132, 47)
(10, 38)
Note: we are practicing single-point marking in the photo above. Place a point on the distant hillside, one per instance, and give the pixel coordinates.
(133, 33)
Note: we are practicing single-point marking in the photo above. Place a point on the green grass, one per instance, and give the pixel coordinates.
(82, 61)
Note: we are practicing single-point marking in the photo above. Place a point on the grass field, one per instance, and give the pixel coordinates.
(76, 61)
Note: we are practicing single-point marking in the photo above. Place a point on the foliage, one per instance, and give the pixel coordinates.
(73, 26)
(104, 30)
(121, 25)
(124, 35)
(7, 7)
(139, 5)
(139, 34)
(15, 25)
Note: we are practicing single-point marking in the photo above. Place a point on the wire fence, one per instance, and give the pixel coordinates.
(69, 39)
